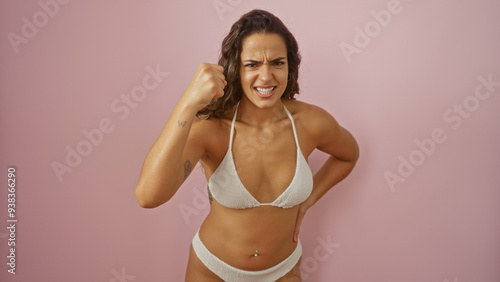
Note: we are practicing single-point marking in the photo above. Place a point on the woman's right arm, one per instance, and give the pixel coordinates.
(178, 149)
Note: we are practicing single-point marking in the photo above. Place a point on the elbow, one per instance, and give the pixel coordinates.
(147, 201)
(143, 201)
(146, 204)
(151, 194)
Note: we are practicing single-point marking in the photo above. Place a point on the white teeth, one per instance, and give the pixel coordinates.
(265, 91)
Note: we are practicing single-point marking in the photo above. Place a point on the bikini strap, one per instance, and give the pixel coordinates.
(232, 127)
(293, 126)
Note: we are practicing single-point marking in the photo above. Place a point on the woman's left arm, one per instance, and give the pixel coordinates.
(343, 149)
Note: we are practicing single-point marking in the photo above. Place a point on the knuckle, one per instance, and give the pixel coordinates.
(213, 87)
(204, 67)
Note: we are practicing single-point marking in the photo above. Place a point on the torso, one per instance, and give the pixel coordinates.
(264, 157)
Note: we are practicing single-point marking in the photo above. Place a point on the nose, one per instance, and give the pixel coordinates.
(266, 73)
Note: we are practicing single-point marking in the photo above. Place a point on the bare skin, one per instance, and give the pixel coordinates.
(265, 156)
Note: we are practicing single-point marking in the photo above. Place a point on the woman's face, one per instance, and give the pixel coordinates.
(264, 68)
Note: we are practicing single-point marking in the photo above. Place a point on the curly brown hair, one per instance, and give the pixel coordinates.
(255, 21)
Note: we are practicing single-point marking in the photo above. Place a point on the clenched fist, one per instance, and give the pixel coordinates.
(208, 83)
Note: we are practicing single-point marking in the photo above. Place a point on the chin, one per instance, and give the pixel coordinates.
(265, 103)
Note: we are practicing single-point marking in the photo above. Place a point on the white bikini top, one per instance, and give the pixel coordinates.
(227, 189)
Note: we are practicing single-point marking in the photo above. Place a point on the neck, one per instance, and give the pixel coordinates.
(261, 117)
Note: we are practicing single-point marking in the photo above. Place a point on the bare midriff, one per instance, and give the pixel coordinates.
(234, 235)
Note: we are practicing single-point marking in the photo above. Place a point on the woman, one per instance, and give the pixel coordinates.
(253, 140)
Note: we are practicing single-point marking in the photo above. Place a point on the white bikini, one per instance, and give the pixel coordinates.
(227, 189)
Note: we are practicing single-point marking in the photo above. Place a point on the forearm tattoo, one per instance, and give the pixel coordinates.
(182, 123)
(187, 168)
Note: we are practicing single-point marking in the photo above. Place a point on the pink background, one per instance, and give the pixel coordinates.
(440, 224)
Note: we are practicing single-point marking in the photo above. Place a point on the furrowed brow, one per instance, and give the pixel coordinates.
(278, 59)
(260, 62)
(252, 61)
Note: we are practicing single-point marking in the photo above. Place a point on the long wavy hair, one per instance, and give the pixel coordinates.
(255, 21)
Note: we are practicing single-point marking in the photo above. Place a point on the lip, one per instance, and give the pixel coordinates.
(264, 95)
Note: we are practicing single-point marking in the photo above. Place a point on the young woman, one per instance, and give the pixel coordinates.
(240, 120)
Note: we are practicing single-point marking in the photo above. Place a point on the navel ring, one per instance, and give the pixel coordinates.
(256, 253)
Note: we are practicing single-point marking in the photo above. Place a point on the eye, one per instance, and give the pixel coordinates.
(251, 65)
(280, 63)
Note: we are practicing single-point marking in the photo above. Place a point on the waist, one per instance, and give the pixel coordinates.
(235, 236)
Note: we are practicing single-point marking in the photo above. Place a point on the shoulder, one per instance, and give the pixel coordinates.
(301, 107)
(313, 119)
(318, 125)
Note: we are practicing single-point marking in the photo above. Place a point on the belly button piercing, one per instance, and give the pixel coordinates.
(256, 253)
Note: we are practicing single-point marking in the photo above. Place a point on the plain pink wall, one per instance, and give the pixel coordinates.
(435, 220)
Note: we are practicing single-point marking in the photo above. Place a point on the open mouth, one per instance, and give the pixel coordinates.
(265, 91)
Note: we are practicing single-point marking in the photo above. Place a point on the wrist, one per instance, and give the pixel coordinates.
(190, 100)
(186, 108)
(182, 115)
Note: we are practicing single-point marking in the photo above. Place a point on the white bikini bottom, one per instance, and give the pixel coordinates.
(232, 274)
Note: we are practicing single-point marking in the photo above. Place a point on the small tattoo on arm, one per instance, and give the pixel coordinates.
(182, 123)
(210, 198)
(187, 168)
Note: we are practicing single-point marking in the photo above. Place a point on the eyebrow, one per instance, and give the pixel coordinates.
(272, 61)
